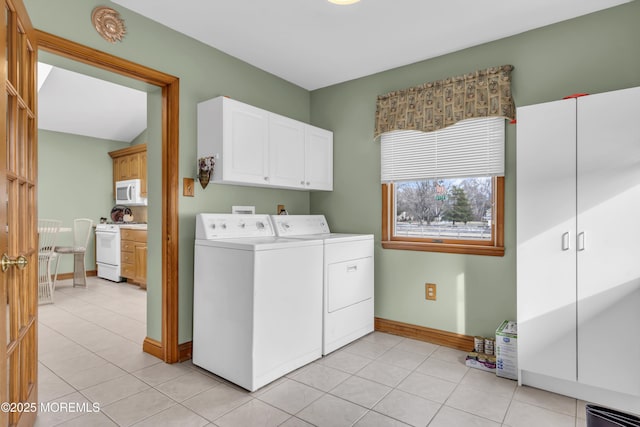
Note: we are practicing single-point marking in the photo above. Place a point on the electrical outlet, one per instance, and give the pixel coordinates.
(430, 291)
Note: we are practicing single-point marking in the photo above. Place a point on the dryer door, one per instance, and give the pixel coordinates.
(349, 283)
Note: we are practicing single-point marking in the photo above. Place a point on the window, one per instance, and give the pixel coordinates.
(443, 191)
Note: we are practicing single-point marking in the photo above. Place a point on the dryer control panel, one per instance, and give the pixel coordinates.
(299, 225)
(222, 226)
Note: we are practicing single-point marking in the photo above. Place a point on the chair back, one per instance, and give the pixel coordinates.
(81, 233)
(47, 234)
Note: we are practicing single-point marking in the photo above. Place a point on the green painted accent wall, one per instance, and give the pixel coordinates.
(204, 73)
(594, 53)
(75, 180)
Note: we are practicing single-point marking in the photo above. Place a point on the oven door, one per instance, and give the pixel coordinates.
(108, 248)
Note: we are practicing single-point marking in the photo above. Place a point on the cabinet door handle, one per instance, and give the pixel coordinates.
(566, 245)
(352, 268)
(582, 241)
(266, 178)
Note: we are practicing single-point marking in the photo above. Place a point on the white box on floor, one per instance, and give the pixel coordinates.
(483, 366)
(507, 350)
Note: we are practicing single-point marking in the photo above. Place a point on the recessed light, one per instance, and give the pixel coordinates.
(343, 2)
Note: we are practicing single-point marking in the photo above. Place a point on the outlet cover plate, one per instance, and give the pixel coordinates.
(430, 291)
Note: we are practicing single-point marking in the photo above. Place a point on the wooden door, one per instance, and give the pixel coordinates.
(18, 177)
(609, 232)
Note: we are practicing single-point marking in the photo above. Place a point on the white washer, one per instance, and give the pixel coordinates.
(257, 299)
(347, 279)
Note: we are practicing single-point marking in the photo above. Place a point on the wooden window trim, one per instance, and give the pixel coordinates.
(469, 247)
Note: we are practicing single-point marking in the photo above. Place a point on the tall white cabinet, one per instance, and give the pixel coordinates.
(578, 252)
(259, 148)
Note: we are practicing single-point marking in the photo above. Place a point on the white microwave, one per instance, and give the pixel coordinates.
(128, 193)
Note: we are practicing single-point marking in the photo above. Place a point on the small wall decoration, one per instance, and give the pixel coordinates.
(205, 169)
(108, 24)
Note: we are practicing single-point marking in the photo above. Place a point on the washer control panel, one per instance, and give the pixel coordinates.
(222, 226)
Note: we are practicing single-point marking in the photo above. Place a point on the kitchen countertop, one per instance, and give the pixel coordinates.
(134, 226)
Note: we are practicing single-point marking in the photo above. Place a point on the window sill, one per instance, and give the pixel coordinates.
(445, 248)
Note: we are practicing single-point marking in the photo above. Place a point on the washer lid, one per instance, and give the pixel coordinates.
(258, 243)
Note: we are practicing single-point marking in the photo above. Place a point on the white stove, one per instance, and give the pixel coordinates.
(108, 251)
(347, 278)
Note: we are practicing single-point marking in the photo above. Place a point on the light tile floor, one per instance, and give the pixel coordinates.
(90, 352)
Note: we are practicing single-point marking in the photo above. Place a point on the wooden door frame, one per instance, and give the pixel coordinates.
(167, 349)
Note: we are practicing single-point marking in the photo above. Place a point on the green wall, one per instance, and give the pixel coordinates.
(589, 54)
(594, 53)
(75, 178)
(204, 73)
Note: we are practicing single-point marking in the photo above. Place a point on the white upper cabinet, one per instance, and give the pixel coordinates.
(286, 151)
(318, 158)
(255, 147)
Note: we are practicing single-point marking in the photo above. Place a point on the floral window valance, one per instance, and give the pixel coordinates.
(436, 105)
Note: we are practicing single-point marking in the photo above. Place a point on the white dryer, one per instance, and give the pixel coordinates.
(257, 299)
(347, 279)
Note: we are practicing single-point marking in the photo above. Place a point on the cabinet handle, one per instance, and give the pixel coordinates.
(301, 182)
(308, 183)
(352, 268)
(266, 178)
(582, 241)
(565, 241)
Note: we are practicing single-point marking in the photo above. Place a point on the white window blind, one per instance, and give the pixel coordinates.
(473, 147)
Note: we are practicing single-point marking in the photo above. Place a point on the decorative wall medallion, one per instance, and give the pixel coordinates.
(108, 24)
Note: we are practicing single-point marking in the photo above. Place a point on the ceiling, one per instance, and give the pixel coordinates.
(314, 43)
(311, 43)
(78, 104)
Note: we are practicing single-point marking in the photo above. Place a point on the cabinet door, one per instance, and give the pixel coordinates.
(142, 167)
(286, 151)
(546, 258)
(245, 143)
(608, 256)
(134, 166)
(318, 158)
(124, 168)
(140, 261)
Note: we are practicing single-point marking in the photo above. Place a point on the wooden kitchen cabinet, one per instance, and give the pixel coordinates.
(131, 163)
(133, 256)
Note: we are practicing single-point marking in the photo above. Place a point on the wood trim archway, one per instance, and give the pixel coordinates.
(167, 349)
